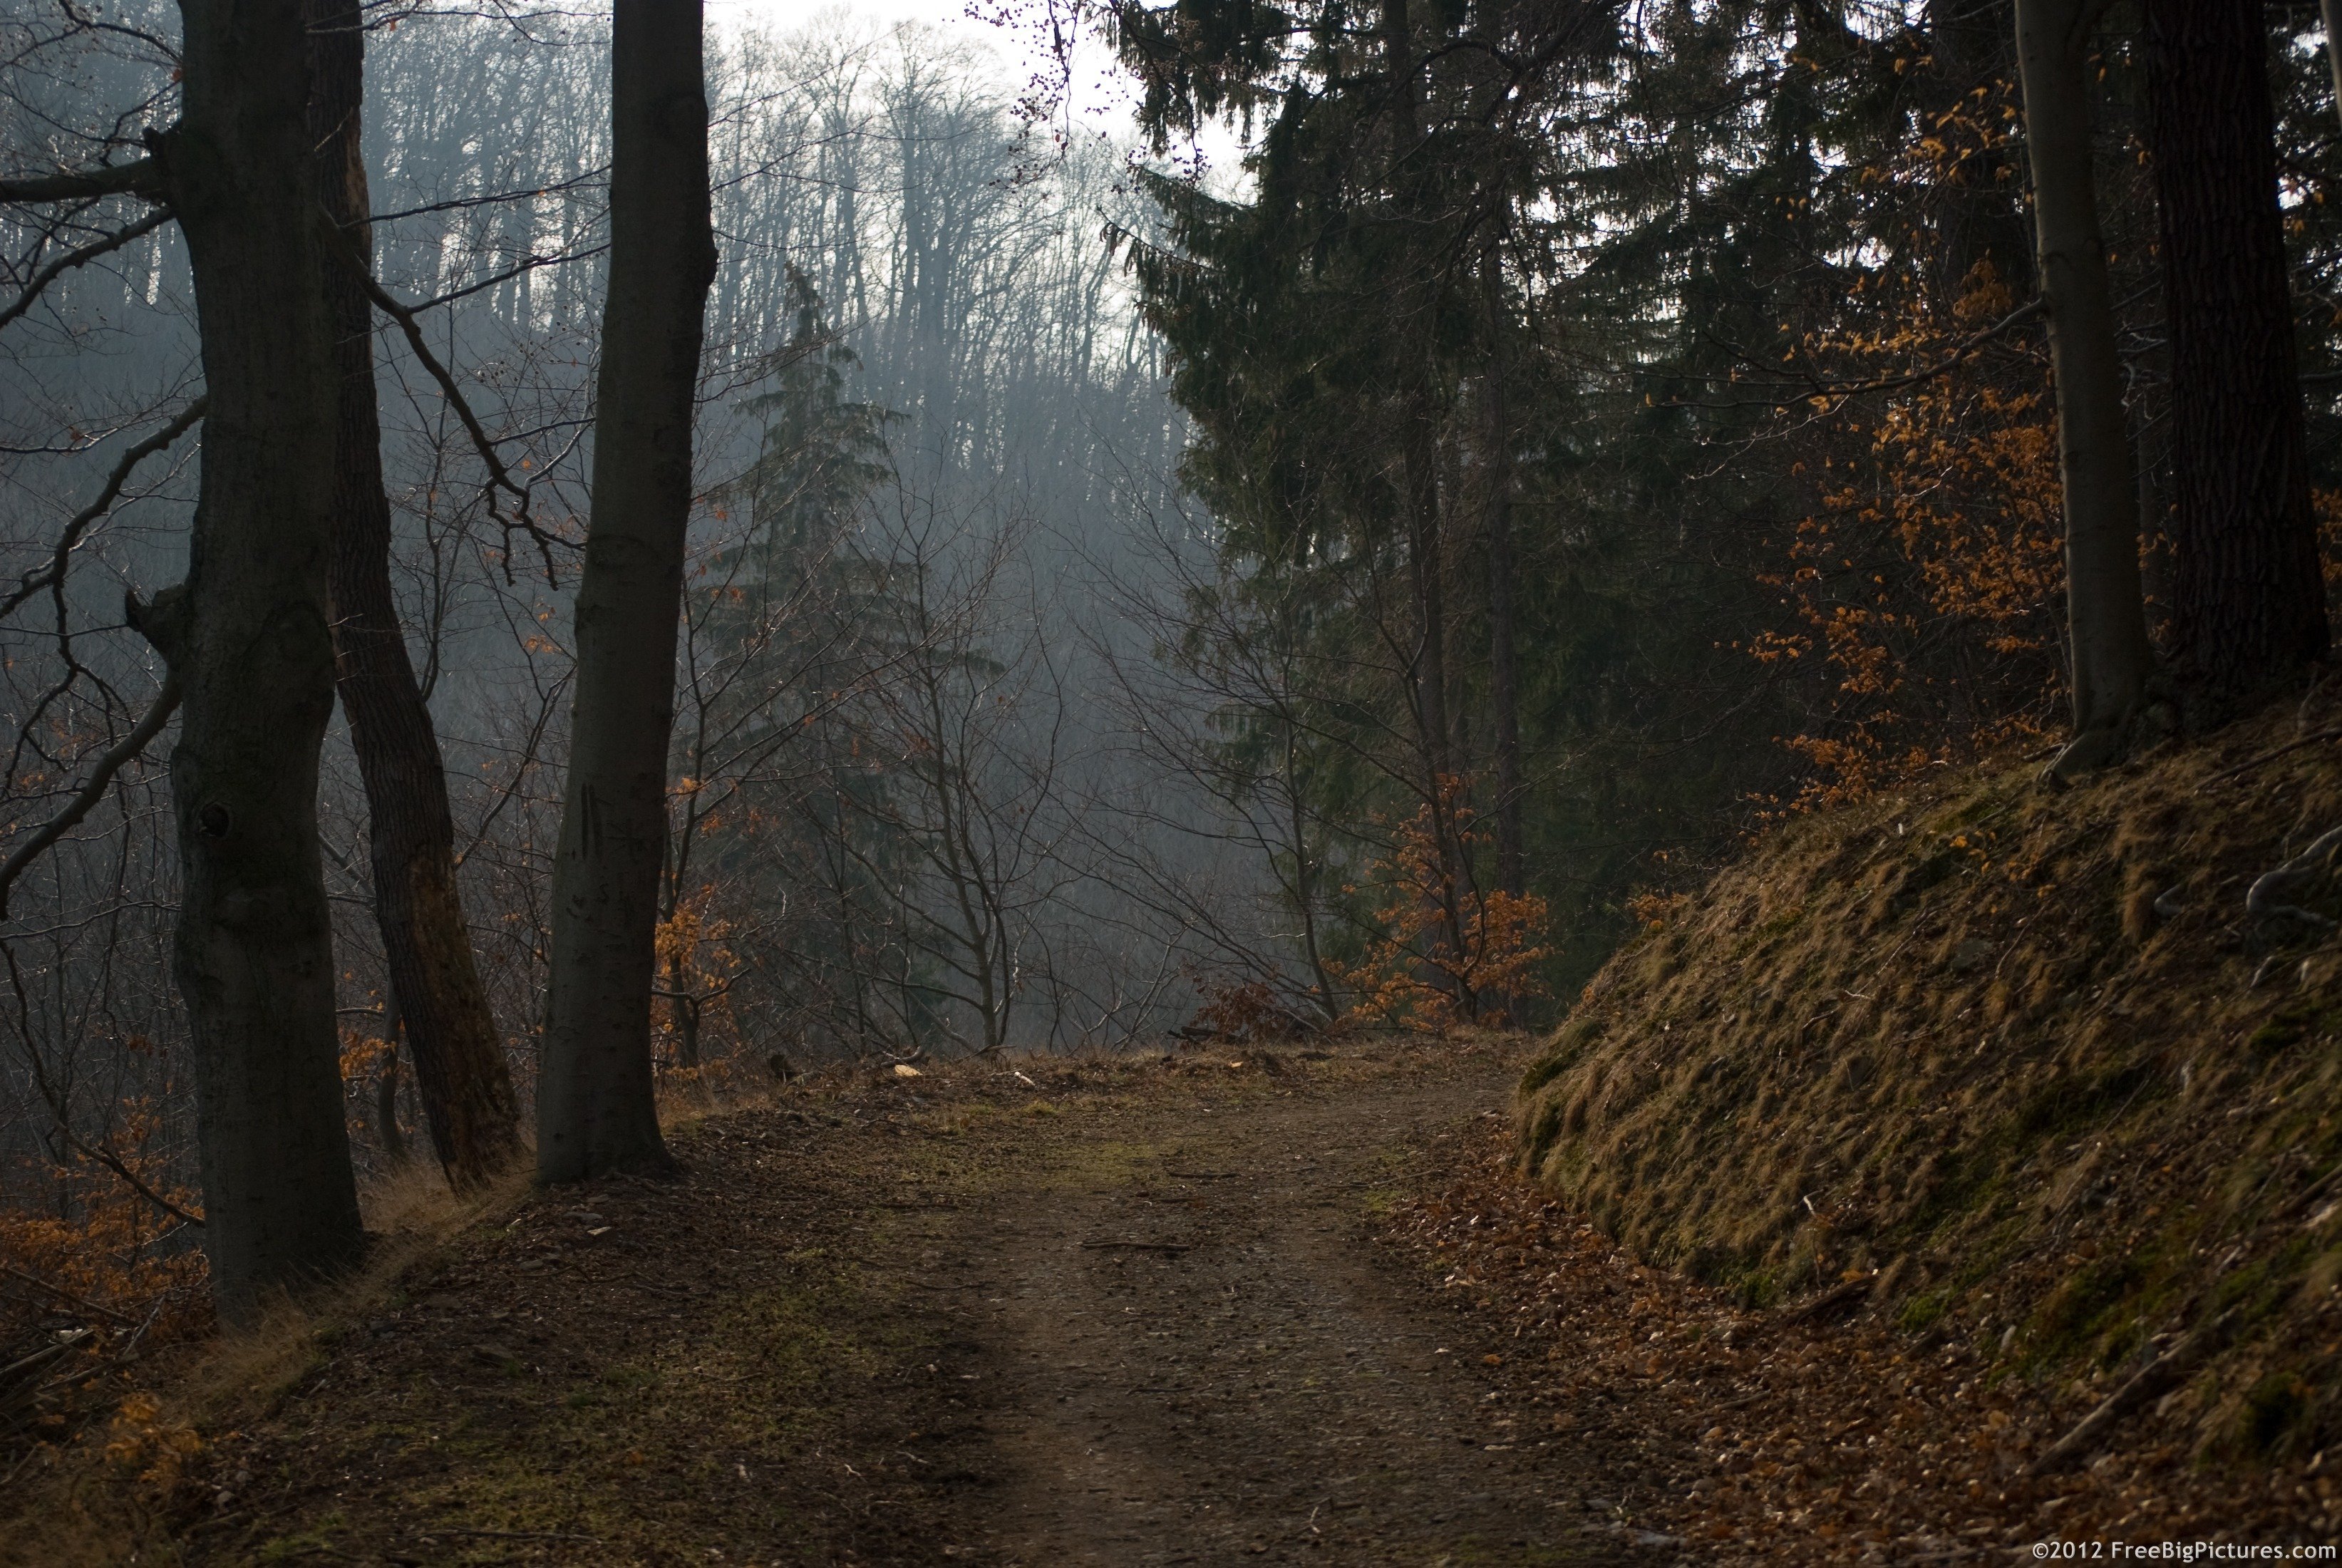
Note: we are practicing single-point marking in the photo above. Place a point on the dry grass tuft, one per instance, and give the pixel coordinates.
(118, 1489)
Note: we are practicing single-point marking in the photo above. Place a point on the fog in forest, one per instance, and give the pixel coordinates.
(919, 799)
(1161, 562)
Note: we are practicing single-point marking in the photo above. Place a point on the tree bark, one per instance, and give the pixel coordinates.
(459, 1062)
(1970, 46)
(385, 1093)
(2249, 601)
(1512, 873)
(2108, 656)
(249, 637)
(1412, 305)
(596, 1109)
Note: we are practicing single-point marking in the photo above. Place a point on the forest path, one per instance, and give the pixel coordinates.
(1126, 1313)
(1201, 1359)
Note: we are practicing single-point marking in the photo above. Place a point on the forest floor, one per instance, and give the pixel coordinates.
(1223, 1308)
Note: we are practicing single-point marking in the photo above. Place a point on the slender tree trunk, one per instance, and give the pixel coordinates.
(1969, 45)
(596, 1109)
(1305, 879)
(683, 1011)
(1512, 873)
(1427, 581)
(249, 638)
(385, 1094)
(1426, 561)
(1426, 588)
(2250, 603)
(2109, 653)
(2330, 13)
(459, 1061)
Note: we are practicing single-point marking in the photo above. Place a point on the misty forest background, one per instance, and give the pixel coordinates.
(1072, 536)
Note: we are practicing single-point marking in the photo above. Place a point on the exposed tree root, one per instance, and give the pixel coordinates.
(2271, 888)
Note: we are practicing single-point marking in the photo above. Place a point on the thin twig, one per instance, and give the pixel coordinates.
(49, 1097)
(1965, 350)
(64, 1295)
(73, 258)
(36, 581)
(114, 759)
(2251, 763)
(499, 476)
(2171, 1367)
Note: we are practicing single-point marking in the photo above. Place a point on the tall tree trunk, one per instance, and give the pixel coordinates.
(1411, 305)
(249, 636)
(2108, 655)
(1512, 873)
(595, 1106)
(459, 1062)
(1427, 578)
(2250, 603)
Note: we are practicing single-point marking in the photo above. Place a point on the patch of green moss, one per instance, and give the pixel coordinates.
(2275, 1414)
(2073, 1106)
(315, 1542)
(1925, 1310)
(1545, 1127)
(2261, 1287)
(2292, 1024)
(2093, 1316)
(1758, 1290)
(1554, 1063)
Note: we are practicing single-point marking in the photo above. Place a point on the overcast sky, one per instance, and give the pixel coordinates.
(1102, 100)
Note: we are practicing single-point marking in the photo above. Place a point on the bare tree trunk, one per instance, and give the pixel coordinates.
(596, 1109)
(385, 1093)
(1305, 879)
(459, 1061)
(683, 1011)
(1512, 873)
(1426, 574)
(250, 639)
(1426, 563)
(2109, 653)
(2250, 601)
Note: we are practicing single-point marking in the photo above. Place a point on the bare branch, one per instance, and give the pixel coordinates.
(1805, 387)
(102, 1155)
(143, 179)
(499, 476)
(73, 258)
(116, 758)
(54, 574)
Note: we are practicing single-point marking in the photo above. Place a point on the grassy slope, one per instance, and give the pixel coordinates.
(1944, 1039)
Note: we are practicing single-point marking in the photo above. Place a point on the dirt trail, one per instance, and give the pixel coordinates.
(1113, 1315)
(1207, 1365)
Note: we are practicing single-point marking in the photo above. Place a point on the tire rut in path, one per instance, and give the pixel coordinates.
(1211, 1362)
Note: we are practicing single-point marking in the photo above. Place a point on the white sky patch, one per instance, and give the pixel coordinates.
(1101, 102)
